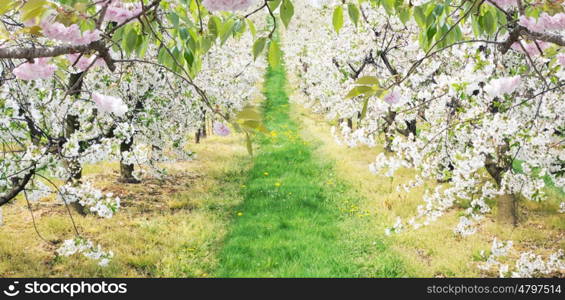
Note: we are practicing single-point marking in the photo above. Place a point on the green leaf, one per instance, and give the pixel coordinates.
(130, 41)
(252, 28)
(359, 90)
(206, 44)
(337, 18)
(477, 29)
(274, 4)
(364, 109)
(165, 59)
(423, 40)
(33, 9)
(255, 125)
(419, 16)
(274, 54)
(404, 15)
(367, 80)
(258, 47)
(6, 5)
(189, 58)
(249, 113)
(226, 31)
(141, 47)
(213, 25)
(286, 12)
(183, 33)
(432, 30)
(249, 143)
(389, 6)
(33, 4)
(239, 27)
(489, 22)
(174, 19)
(353, 12)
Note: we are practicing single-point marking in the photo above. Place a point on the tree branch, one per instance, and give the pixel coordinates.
(520, 30)
(20, 186)
(33, 52)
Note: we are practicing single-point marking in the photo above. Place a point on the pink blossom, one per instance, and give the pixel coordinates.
(30, 22)
(531, 48)
(40, 69)
(561, 59)
(120, 12)
(505, 3)
(68, 34)
(545, 22)
(110, 104)
(503, 85)
(221, 129)
(392, 98)
(84, 62)
(227, 5)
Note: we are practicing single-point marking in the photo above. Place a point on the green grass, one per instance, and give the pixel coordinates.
(165, 228)
(292, 221)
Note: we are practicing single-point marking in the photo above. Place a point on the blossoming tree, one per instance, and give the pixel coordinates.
(468, 93)
(86, 81)
(464, 88)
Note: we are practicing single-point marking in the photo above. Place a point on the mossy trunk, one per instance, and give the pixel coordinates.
(388, 143)
(507, 210)
(507, 204)
(201, 133)
(126, 170)
(72, 124)
(389, 138)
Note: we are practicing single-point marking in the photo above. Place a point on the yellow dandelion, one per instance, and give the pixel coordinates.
(266, 173)
(277, 184)
(239, 214)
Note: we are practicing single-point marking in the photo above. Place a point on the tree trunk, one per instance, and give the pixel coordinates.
(126, 170)
(507, 212)
(201, 132)
(388, 143)
(72, 124)
(507, 206)
(197, 137)
(389, 119)
(204, 133)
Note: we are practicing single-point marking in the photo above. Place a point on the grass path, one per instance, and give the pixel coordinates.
(291, 223)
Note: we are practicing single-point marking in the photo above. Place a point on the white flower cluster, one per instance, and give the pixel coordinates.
(465, 227)
(461, 112)
(86, 248)
(37, 191)
(528, 264)
(498, 250)
(398, 227)
(104, 205)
